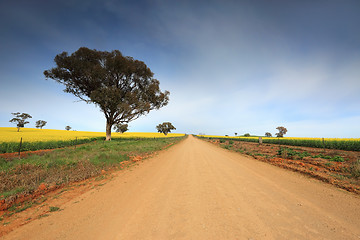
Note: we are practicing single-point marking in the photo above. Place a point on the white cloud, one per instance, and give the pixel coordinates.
(228, 70)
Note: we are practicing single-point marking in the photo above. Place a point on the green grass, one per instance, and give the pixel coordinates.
(97, 153)
(333, 159)
(11, 192)
(227, 147)
(292, 154)
(338, 176)
(68, 165)
(10, 147)
(337, 159)
(23, 208)
(16, 208)
(328, 164)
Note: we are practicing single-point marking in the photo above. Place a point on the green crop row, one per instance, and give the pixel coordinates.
(10, 147)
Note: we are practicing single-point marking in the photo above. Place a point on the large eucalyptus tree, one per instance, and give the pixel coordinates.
(122, 87)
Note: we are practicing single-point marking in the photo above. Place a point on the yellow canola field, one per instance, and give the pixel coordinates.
(10, 134)
(289, 138)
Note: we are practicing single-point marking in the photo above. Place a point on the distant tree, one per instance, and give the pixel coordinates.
(282, 131)
(123, 88)
(235, 134)
(226, 135)
(20, 119)
(247, 135)
(121, 128)
(165, 128)
(267, 134)
(40, 124)
(67, 128)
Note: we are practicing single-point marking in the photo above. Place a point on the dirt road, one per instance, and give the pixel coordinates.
(195, 190)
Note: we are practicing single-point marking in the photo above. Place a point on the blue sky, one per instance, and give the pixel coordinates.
(230, 66)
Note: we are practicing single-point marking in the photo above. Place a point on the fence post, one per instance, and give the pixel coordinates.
(323, 141)
(20, 146)
(75, 142)
(260, 140)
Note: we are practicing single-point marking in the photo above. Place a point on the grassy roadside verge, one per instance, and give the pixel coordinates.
(21, 177)
(11, 147)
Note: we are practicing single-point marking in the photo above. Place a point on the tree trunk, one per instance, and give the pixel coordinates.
(18, 129)
(108, 131)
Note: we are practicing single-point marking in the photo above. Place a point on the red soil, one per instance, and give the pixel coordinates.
(336, 173)
(9, 156)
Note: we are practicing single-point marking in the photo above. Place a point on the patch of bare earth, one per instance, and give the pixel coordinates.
(9, 156)
(23, 209)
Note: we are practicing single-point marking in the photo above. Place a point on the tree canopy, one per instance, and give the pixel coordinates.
(40, 124)
(165, 128)
(20, 119)
(267, 134)
(121, 128)
(282, 131)
(123, 88)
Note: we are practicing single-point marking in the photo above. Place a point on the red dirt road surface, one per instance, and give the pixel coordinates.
(196, 190)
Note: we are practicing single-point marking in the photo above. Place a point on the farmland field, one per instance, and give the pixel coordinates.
(348, 144)
(36, 139)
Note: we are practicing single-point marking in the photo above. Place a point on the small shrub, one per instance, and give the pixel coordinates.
(337, 159)
(328, 164)
(222, 140)
(28, 205)
(285, 152)
(54, 209)
(231, 142)
(325, 156)
(355, 169)
(292, 154)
